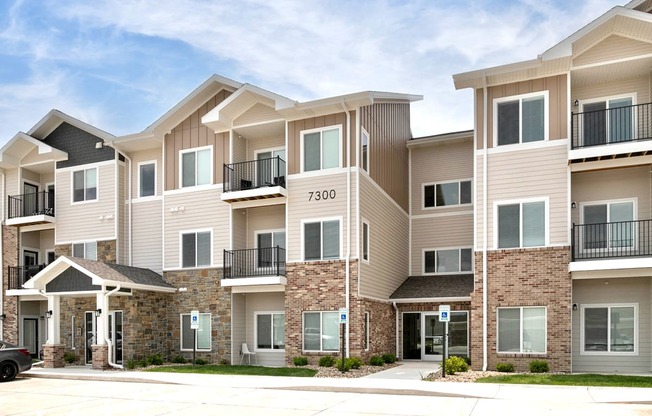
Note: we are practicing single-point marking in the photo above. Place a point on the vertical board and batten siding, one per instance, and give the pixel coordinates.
(558, 103)
(147, 235)
(625, 290)
(452, 161)
(638, 85)
(294, 137)
(238, 325)
(443, 232)
(389, 130)
(201, 210)
(612, 48)
(264, 218)
(258, 113)
(263, 302)
(300, 208)
(255, 145)
(146, 156)
(522, 174)
(80, 221)
(612, 184)
(190, 134)
(239, 224)
(388, 242)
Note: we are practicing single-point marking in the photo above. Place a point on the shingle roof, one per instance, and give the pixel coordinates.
(444, 286)
(121, 273)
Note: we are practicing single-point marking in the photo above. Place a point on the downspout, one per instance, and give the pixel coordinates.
(485, 204)
(347, 290)
(106, 330)
(396, 326)
(2, 272)
(129, 198)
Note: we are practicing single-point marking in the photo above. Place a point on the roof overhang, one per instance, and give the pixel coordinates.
(432, 300)
(21, 145)
(136, 142)
(466, 135)
(54, 118)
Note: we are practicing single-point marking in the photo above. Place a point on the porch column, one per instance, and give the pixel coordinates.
(102, 320)
(54, 322)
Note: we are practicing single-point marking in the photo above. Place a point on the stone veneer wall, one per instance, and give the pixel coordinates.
(106, 250)
(10, 303)
(524, 277)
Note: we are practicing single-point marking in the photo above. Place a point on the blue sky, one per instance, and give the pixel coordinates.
(120, 64)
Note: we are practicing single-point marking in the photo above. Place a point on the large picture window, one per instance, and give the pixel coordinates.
(321, 331)
(454, 260)
(321, 240)
(270, 331)
(84, 185)
(521, 119)
(522, 330)
(321, 148)
(521, 224)
(609, 329)
(446, 194)
(196, 249)
(203, 334)
(196, 167)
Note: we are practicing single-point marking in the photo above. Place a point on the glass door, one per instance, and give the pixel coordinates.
(412, 336)
(116, 335)
(433, 342)
(269, 172)
(89, 325)
(265, 242)
(30, 195)
(30, 335)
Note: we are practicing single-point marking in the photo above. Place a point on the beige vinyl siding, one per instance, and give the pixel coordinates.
(256, 114)
(239, 149)
(147, 235)
(201, 210)
(146, 156)
(300, 208)
(31, 176)
(263, 302)
(443, 232)
(627, 290)
(80, 221)
(13, 183)
(123, 230)
(46, 242)
(30, 240)
(256, 145)
(388, 155)
(613, 47)
(640, 86)
(388, 242)
(522, 174)
(238, 325)
(608, 185)
(239, 218)
(264, 218)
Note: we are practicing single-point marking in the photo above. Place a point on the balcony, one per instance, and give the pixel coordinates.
(18, 275)
(29, 209)
(254, 179)
(613, 240)
(254, 266)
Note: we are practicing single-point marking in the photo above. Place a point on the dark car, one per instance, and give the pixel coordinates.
(13, 360)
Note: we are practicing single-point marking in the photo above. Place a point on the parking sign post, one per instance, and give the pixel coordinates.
(344, 316)
(194, 325)
(445, 317)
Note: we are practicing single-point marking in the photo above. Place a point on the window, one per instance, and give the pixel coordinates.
(522, 224)
(521, 119)
(365, 339)
(609, 329)
(365, 241)
(321, 148)
(201, 335)
(364, 138)
(446, 194)
(448, 261)
(607, 121)
(84, 185)
(608, 225)
(321, 331)
(522, 330)
(196, 249)
(270, 330)
(147, 179)
(85, 250)
(266, 243)
(196, 167)
(321, 240)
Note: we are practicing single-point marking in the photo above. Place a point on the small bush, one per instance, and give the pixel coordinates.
(300, 361)
(347, 364)
(389, 358)
(326, 361)
(505, 367)
(468, 361)
(133, 364)
(356, 362)
(539, 366)
(201, 361)
(224, 361)
(156, 359)
(69, 357)
(456, 364)
(178, 359)
(377, 360)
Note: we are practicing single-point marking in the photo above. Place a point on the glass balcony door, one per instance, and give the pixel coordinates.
(608, 121)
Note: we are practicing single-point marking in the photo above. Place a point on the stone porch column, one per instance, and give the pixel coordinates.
(100, 357)
(53, 355)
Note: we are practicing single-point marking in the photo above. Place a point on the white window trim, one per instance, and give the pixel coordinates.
(278, 230)
(434, 184)
(634, 202)
(303, 237)
(606, 99)
(303, 327)
(195, 231)
(272, 313)
(367, 334)
(269, 149)
(210, 338)
(364, 132)
(520, 97)
(459, 248)
(84, 243)
(609, 306)
(148, 162)
(319, 130)
(195, 150)
(362, 253)
(72, 186)
(520, 344)
(546, 218)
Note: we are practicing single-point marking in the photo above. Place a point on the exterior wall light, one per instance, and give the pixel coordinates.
(48, 314)
(98, 312)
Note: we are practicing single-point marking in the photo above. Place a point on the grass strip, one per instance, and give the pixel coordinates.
(592, 380)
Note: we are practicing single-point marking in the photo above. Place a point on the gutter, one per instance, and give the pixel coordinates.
(396, 326)
(485, 243)
(347, 289)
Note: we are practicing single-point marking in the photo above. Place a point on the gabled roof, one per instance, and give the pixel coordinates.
(440, 138)
(21, 144)
(434, 288)
(54, 118)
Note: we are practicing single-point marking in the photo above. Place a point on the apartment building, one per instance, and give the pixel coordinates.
(562, 201)
(264, 214)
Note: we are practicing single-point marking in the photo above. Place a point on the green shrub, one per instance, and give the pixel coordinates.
(326, 361)
(389, 358)
(224, 361)
(456, 364)
(347, 364)
(539, 366)
(69, 357)
(201, 361)
(178, 359)
(133, 364)
(300, 361)
(156, 359)
(377, 360)
(468, 361)
(505, 367)
(355, 362)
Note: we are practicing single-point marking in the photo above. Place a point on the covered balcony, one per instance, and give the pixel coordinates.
(255, 179)
(31, 208)
(612, 240)
(18, 275)
(254, 266)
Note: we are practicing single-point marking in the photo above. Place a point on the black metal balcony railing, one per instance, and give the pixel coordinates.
(252, 262)
(612, 125)
(612, 240)
(254, 174)
(26, 205)
(18, 275)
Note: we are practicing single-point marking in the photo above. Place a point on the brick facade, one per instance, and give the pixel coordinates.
(524, 277)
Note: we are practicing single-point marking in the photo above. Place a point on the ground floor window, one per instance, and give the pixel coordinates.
(321, 331)
(365, 336)
(522, 329)
(270, 330)
(609, 329)
(203, 334)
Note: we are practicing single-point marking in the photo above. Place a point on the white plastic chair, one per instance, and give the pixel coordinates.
(246, 353)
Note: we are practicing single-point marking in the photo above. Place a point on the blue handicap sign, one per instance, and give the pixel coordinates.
(444, 315)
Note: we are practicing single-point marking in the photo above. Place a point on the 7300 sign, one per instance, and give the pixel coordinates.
(322, 195)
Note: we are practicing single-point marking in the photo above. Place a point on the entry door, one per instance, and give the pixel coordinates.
(433, 341)
(116, 335)
(30, 261)
(89, 325)
(30, 336)
(412, 336)
(30, 197)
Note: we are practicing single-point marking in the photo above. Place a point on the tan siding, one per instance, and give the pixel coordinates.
(146, 156)
(123, 236)
(239, 149)
(14, 187)
(388, 242)
(256, 114)
(30, 240)
(239, 325)
(147, 235)
(639, 85)
(263, 302)
(264, 218)
(256, 145)
(239, 229)
(612, 48)
(81, 221)
(438, 233)
(389, 130)
(46, 242)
